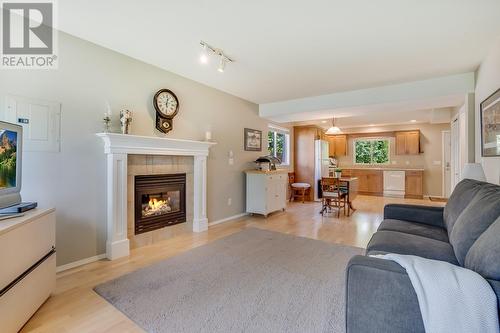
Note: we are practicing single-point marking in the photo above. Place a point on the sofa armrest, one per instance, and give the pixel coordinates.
(380, 298)
(415, 213)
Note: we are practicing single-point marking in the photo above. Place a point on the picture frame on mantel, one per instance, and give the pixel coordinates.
(490, 125)
(252, 139)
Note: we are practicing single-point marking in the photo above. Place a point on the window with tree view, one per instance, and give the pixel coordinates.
(371, 151)
(278, 144)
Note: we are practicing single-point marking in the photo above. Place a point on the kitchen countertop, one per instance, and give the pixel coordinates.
(271, 172)
(381, 169)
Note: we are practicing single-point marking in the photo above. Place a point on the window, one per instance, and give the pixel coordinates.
(278, 144)
(371, 151)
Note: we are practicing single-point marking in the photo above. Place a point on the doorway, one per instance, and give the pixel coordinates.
(455, 152)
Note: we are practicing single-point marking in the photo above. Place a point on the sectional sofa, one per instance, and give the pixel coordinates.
(466, 232)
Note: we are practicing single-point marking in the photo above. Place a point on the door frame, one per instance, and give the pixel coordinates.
(443, 166)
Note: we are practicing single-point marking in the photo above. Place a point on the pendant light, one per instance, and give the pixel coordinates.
(333, 129)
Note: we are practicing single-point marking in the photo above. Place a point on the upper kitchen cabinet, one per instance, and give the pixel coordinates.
(408, 142)
(337, 145)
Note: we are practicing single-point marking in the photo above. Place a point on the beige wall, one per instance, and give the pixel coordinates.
(430, 141)
(487, 82)
(74, 180)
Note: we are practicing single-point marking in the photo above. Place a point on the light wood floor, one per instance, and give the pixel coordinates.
(76, 308)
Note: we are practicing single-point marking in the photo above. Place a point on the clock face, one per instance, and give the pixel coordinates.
(166, 103)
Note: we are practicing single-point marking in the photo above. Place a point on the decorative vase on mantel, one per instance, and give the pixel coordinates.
(125, 120)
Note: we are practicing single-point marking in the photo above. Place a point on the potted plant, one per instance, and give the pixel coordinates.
(338, 173)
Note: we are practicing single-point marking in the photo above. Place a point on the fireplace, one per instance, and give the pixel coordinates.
(160, 201)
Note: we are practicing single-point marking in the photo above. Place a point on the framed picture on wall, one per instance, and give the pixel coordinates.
(490, 125)
(252, 139)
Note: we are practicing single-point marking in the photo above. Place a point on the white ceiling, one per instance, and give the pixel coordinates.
(384, 118)
(293, 49)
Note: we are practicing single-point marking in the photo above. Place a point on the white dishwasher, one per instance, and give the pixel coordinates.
(394, 184)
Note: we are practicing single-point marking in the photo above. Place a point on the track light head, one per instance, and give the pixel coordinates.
(222, 64)
(204, 54)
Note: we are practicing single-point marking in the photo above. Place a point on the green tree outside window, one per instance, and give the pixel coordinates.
(371, 151)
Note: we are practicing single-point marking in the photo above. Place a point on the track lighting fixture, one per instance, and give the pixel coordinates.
(209, 50)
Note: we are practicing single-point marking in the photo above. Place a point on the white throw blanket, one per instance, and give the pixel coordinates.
(451, 298)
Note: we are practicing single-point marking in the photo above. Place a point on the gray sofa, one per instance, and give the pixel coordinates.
(466, 232)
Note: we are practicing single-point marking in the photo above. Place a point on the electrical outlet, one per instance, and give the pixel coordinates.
(229, 201)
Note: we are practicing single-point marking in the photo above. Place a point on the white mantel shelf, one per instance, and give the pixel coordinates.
(115, 143)
(117, 147)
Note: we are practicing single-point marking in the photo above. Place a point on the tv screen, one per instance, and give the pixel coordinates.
(8, 158)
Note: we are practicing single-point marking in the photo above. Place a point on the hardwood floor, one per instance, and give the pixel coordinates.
(76, 308)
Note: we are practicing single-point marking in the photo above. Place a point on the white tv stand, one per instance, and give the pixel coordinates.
(28, 266)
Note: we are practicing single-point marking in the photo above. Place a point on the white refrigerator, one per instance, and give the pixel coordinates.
(321, 163)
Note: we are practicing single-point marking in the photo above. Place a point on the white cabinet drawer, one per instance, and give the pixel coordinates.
(23, 246)
(20, 302)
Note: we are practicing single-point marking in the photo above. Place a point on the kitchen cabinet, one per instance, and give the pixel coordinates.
(370, 182)
(266, 191)
(414, 184)
(407, 142)
(337, 145)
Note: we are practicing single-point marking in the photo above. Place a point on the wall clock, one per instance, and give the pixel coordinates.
(166, 105)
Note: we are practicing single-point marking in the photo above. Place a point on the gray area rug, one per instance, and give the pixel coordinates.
(252, 281)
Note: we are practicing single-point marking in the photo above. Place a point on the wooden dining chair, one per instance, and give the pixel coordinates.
(297, 190)
(334, 195)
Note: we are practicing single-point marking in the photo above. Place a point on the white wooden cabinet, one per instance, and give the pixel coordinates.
(28, 266)
(266, 191)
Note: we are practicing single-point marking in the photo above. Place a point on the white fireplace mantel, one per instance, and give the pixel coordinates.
(117, 147)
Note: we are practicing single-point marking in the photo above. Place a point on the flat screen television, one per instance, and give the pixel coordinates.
(11, 137)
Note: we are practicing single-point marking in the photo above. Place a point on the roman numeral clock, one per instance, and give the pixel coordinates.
(166, 105)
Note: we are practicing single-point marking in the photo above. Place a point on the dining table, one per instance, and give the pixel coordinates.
(351, 184)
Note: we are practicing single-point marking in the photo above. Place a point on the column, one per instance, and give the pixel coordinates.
(117, 243)
(200, 221)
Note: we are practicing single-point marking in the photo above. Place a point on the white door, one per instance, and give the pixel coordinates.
(446, 164)
(455, 153)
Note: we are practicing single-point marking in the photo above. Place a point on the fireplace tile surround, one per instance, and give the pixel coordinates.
(155, 165)
(154, 155)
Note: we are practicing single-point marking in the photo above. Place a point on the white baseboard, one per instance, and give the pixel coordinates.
(80, 262)
(230, 218)
(103, 255)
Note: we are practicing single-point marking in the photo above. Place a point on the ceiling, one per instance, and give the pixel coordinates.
(379, 118)
(292, 49)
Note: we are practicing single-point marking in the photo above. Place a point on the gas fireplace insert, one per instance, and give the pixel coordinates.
(160, 201)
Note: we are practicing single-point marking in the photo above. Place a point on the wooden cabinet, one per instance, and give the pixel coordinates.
(266, 191)
(407, 142)
(370, 182)
(414, 184)
(304, 159)
(337, 145)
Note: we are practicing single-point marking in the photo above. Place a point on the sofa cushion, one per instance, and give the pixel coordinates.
(482, 211)
(403, 243)
(414, 228)
(459, 199)
(484, 255)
